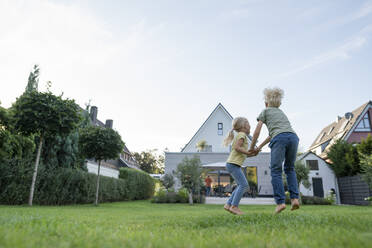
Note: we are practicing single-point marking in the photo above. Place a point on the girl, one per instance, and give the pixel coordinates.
(239, 151)
(283, 143)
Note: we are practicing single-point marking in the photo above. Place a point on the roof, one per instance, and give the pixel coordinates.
(301, 157)
(218, 106)
(338, 129)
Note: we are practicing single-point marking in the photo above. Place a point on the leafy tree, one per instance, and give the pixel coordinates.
(43, 114)
(302, 174)
(149, 161)
(365, 146)
(189, 172)
(168, 181)
(366, 163)
(101, 144)
(33, 80)
(345, 159)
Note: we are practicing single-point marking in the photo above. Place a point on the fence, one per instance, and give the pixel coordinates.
(353, 190)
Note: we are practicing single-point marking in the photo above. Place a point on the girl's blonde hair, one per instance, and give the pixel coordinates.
(273, 96)
(237, 124)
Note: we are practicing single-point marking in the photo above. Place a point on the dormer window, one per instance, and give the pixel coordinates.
(320, 137)
(330, 130)
(364, 124)
(220, 128)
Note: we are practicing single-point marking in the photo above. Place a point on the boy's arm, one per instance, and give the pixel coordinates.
(267, 140)
(256, 134)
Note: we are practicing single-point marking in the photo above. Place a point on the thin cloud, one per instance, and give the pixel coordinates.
(341, 52)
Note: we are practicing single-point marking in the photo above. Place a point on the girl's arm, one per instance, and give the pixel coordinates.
(256, 134)
(239, 147)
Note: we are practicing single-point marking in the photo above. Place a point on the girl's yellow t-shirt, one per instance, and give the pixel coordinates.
(236, 157)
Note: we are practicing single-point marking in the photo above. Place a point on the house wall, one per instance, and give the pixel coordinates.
(324, 172)
(104, 171)
(208, 132)
(358, 136)
(261, 161)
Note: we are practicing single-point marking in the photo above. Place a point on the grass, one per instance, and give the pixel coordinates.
(143, 224)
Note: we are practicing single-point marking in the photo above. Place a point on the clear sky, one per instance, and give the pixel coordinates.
(158, 68)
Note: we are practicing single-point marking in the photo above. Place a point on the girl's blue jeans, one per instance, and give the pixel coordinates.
(238, 175)
(284, 149)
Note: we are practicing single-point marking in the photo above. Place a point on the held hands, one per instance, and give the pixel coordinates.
(253, 152)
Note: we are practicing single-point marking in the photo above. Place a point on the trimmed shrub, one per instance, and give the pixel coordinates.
(182, 196)
(310, 200)
(142, 185)
(60, 186)
(314, 200)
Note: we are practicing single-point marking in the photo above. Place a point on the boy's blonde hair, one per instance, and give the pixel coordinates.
(237, 124)
(273, 96)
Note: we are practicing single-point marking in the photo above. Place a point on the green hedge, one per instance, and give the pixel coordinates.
(142, 185)
(311, 200)
(164, 196)
(64, 186)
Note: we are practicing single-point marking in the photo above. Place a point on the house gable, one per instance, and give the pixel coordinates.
(341, 129)
(213, 131)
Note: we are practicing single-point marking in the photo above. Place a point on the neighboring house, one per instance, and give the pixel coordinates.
(352, 127)
(321, 176)
(214, 156)
(110, 167)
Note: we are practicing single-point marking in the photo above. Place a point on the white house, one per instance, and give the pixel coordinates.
(321, 177)
(214, 156)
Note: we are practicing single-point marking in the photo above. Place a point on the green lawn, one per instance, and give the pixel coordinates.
(143, 224)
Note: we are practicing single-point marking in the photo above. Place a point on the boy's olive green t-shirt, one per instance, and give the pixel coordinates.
(236, 157)
(276, 121)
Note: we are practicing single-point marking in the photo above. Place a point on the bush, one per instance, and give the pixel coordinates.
(62, 186)
(311, 200)
(314, 200)
(142, 185)
(182, 196)
(345, 159)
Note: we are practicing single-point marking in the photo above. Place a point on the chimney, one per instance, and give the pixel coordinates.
(93, 114)
(109, 123)
(338, 118)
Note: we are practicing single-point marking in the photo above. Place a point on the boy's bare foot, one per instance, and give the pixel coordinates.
(227, 207)
(279, 208)
(236, 211)
(295, 204)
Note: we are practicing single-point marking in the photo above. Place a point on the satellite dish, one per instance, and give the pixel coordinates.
(349, 115)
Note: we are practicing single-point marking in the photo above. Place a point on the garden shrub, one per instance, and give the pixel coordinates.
(60, 186)
(312, 200)
(142, 185)
(182, 196)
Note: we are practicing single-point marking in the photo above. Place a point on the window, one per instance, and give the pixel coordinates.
(364, 125)
(220, 128)
(330, 130)
(312, 164)
(320, 137)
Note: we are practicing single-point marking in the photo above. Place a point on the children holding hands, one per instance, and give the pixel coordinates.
(283, 143)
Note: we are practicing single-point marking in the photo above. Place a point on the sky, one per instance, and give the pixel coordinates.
(159, 68)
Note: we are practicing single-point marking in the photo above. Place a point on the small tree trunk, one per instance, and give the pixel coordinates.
(190, 197)
(32, 189)
(97, 189)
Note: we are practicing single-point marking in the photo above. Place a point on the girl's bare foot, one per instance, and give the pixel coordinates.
(235, 210)
(279, 208)
(295, 204)
(227, 207)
